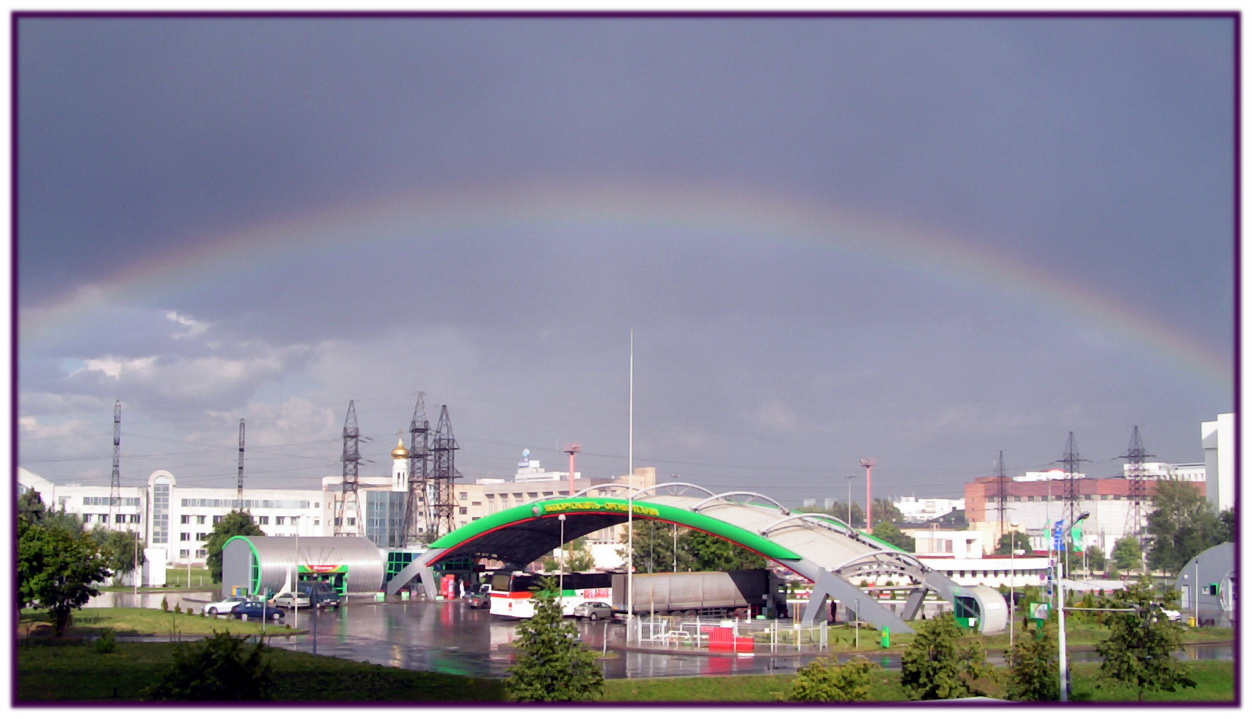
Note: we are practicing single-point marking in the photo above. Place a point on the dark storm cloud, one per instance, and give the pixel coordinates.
(1099, 151)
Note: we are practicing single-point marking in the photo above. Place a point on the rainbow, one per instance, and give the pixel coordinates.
(673, 208)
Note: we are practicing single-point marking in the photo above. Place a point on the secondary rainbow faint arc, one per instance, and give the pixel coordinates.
(742, 212)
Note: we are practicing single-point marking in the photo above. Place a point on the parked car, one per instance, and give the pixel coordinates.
(222, 607)
(256, 610)
(291, 600)
(478, 600)
(321, 594)
(595, 611)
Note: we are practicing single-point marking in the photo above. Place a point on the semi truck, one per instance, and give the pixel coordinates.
(751, 592)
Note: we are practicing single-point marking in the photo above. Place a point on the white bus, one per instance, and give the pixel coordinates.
(513, 595)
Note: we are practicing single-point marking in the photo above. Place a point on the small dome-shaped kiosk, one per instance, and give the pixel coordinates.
(264, 565)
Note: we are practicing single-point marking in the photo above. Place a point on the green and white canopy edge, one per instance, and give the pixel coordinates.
(816, 546)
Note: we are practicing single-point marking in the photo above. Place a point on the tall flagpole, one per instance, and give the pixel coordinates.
(631, 432)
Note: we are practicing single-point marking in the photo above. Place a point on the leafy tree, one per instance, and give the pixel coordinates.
(708, 553)
(653, 544)
(823, 680)
(1128, 554)
(56, 570)
(120, 550)
(1009, 540)
(890, 533)
(577, 559)
(238, 523)
(551, 665)
(217, 668)
(1181, 525)
(1034, 668)
(936, 666)
(30, 506)
(580, 558)
(884, 510)
(697, 551)
(1138, 651)
(1096, 561)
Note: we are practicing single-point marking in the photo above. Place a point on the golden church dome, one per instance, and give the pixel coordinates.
(399, 452)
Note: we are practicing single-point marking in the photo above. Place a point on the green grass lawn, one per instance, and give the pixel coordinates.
(153, 622)
(69, 669)
(1214, 684)
(77, 673)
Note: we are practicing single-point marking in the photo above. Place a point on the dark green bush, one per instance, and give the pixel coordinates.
(107, 643)
(218, 668)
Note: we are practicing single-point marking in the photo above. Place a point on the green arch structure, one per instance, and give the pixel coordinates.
(520, 535)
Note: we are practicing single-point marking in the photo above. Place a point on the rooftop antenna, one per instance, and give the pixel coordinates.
(868, 464)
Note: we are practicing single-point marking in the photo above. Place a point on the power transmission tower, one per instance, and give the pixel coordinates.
(115, 484)
(443, 473)
(416, 519)
(1137, 493)
(239, 483)
(1002, 491)
(1071, 460)
(351, 472)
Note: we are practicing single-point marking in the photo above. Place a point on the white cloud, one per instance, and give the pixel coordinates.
(192, 327)
(115, 366)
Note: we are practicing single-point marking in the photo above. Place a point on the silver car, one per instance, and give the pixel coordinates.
(595, 611)
(291, 600)
(222, 607)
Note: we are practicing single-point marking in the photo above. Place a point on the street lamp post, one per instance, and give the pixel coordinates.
(1012, 586)
(674, 529)
(1060, 610)
(630, 561)
(561, 594)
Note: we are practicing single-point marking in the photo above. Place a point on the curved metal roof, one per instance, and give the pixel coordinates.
(520, 535)
(275, 557)
(819, 547)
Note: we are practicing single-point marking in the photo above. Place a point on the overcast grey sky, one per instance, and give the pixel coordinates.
(922, 240)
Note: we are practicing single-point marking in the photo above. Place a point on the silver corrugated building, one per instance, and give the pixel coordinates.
(263, 565)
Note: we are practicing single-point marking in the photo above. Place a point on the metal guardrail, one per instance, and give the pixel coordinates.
(769, 635)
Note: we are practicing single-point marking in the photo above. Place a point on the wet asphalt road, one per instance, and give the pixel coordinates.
(450, 637)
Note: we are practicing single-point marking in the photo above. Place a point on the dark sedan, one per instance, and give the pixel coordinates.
(256, 610)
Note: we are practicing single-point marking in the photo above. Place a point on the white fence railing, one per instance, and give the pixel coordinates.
(772, 635)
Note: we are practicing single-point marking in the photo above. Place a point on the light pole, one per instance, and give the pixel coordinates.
(630, 561)
(674, 529)
(1060, 610)
(1012, 585)
(561, 593)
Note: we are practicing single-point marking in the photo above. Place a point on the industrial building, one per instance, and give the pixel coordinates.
(174, 520)
(1118, 506)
